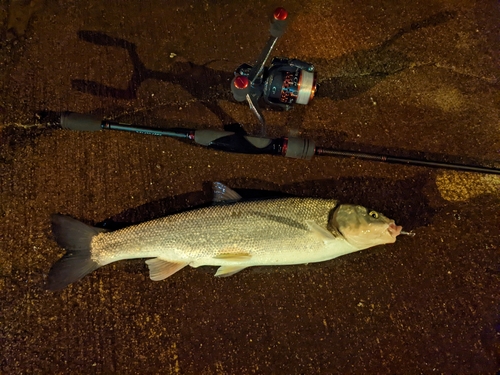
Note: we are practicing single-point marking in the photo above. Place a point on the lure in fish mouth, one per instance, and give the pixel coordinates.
(232, 236)
(394, 230)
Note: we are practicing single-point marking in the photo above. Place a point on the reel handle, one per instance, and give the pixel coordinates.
(278, 22)
(278, 28)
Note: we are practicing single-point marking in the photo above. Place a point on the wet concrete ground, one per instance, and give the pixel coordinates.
(396, 77)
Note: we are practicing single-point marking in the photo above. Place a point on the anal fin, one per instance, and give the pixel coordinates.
(224, 271)
(160, 269)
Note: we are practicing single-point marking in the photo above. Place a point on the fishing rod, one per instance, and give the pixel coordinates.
(282, 85)
(239, 142)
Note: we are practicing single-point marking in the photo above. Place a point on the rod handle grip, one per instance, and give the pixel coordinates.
(80, 121)
(295, 148)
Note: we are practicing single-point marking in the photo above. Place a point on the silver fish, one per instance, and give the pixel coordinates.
(232, 236)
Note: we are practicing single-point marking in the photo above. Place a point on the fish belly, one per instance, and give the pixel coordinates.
(247, 233)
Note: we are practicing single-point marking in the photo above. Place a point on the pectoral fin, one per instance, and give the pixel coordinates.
(161, 269)
(233, 256)
(320, 232)
(225, 271)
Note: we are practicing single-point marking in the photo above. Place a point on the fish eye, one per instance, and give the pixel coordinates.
(373, 214)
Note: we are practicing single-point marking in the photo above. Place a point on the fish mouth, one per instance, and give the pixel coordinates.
(394, 230)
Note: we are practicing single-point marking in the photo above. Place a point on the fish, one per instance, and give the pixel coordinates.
(231, 234)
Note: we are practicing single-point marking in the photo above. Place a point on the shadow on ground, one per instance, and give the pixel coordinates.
(203, 82)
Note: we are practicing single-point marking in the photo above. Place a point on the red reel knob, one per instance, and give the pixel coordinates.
(280, 14)
(241, 82)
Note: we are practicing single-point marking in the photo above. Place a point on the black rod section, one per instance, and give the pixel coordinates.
(392, 159)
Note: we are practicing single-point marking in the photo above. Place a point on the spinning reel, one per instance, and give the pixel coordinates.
(285, 83)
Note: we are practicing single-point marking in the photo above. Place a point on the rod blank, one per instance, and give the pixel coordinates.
(408, 161)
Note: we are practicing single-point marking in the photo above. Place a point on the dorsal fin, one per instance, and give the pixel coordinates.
(224, 194)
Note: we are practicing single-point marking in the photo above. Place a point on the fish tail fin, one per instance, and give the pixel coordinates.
(76, 238)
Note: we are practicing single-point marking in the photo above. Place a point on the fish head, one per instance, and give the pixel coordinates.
(363, 228)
